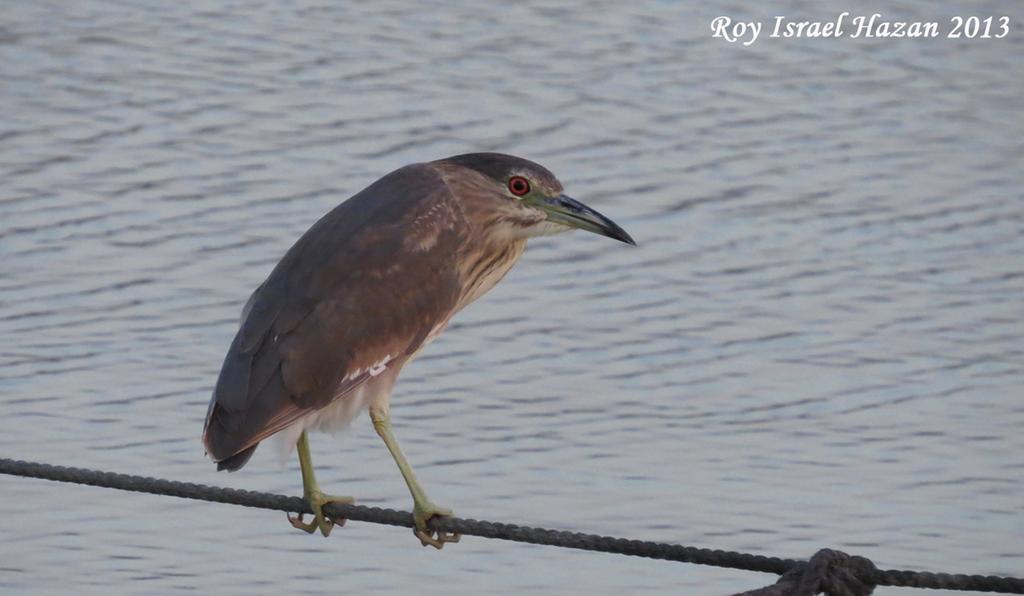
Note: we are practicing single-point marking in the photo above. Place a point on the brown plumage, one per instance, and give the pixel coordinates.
(368, 285)
(374, 277)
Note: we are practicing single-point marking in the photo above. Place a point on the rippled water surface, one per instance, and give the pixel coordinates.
(818, 342)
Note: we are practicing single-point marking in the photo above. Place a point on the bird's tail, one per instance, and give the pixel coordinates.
(237, 460)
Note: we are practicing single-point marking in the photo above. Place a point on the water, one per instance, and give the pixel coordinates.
(817, 343)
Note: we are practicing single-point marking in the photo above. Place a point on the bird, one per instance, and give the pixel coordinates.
(362, 292)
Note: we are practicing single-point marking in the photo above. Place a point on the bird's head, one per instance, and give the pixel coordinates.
(522, 196)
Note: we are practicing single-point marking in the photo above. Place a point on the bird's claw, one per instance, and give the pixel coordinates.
(324, 524)
(422, 513)
(320, 522)
(437, 540)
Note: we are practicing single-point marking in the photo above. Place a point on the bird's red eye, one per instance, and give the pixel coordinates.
(518, 185)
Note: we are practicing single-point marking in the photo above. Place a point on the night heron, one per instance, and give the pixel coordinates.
(362, 292)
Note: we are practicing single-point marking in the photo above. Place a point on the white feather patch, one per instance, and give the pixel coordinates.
(378, 367)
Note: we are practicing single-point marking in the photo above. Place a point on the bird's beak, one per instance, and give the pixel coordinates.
(567, 211)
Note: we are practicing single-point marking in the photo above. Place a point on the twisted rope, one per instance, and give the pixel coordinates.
(486, 529)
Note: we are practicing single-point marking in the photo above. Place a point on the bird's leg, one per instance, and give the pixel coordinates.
(423, 509)
(311, 492)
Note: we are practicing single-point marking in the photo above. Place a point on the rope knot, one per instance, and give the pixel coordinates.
(830, 572)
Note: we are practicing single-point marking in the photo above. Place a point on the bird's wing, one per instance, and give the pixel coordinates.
(361, 289)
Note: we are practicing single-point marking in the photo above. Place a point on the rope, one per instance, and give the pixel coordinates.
(486, 529)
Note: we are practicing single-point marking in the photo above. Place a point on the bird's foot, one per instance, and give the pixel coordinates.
(422, 512)
(317, 500)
